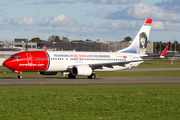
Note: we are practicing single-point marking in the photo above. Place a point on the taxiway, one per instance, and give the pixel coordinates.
(85, 81)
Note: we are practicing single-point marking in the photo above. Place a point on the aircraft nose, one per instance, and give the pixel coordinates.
(6, 63)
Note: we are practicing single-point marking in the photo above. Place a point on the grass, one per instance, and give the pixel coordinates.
(91, 102)
(4, 70)
(94, 102)
(173, 73)
(162, 63)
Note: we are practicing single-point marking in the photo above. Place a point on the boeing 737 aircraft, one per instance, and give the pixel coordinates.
(82, 63)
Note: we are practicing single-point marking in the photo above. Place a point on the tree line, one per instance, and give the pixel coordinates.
(160, 46)
(55, 38)
(52, 38)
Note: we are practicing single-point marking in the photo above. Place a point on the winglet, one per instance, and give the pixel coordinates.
(45, 48)
(164, 52)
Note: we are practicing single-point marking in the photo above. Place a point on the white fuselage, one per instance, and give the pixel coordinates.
(61, 61)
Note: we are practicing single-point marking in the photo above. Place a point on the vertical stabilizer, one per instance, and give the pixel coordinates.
(139, 43)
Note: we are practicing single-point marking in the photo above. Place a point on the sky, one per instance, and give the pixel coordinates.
(106, 20)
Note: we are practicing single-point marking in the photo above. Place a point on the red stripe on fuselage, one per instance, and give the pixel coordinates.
(29, 61)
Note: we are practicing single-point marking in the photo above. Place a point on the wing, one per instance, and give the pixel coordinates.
(120, 63)
(111, 64)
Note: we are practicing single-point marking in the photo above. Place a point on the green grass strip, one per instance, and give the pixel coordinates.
(173, 73)
(91, 102)
(160, 63)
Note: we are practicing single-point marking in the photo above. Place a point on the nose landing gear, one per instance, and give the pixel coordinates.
(20, 74)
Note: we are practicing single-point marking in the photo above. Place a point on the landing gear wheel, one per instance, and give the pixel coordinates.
(70, 75)
(20, 76)
(92, 76)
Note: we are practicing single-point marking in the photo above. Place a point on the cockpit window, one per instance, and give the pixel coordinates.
(14, 57)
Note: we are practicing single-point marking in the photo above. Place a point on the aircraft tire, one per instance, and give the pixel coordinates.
(70, 75)
(20, 76)
(92, 76)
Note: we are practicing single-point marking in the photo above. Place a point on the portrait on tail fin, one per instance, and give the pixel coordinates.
(143, 40)
(142, 43)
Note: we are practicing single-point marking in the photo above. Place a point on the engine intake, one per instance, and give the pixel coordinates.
(81, 70)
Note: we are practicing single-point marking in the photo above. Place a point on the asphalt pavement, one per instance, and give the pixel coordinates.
(99, 80)
(85, 81)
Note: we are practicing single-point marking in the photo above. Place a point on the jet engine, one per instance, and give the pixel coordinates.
(48, 73)
(81, 70)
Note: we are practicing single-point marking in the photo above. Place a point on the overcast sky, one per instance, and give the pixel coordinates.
(107, 20)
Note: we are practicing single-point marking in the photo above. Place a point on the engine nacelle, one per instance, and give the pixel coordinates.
(81, 70)
(48, 73)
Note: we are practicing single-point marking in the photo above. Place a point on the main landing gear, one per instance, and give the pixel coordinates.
(92, 76)
(70, 75)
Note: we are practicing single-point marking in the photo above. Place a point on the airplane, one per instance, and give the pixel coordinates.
(82, 63)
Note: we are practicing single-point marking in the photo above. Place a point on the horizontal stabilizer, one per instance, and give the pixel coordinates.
(156, 56)
(164, 52)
